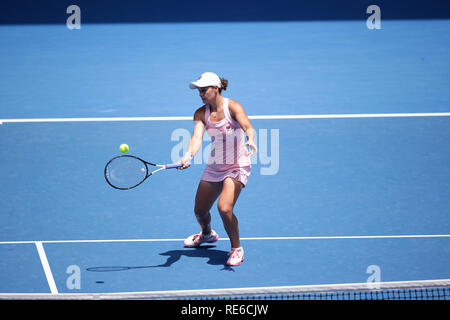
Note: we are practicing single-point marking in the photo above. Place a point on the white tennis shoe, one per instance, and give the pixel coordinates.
(236, 257)
(196, 240)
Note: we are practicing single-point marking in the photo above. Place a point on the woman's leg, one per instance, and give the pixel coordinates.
(230, 192)
(207, 193)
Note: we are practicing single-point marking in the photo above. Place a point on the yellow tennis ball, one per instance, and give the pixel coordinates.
(124, 148)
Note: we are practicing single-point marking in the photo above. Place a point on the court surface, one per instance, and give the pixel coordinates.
(353, 166)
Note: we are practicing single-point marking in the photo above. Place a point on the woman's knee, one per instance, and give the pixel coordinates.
(225, 209)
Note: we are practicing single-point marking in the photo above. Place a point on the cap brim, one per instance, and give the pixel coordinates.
(201, 84)
(192, 85)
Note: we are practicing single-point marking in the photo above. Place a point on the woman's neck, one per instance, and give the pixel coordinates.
(217, 104)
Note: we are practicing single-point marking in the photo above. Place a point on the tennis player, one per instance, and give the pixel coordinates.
(229, 165)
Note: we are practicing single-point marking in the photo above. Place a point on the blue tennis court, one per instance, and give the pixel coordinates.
(352, 173)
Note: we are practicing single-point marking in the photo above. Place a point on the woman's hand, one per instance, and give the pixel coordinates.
(252, 145)
(185, 161)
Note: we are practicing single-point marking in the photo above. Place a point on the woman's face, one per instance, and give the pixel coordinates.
(208, 94)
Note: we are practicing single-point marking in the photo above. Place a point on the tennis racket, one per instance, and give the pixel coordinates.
(127, 172)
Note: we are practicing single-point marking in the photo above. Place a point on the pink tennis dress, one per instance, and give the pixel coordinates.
(229, 157)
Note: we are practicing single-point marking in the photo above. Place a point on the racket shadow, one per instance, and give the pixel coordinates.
(215, 257)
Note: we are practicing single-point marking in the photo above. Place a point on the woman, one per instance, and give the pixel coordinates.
(229, 164)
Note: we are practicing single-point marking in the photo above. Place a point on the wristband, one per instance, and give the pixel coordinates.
(189, 154)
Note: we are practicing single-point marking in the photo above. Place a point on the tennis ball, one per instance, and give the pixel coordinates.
(124, 148)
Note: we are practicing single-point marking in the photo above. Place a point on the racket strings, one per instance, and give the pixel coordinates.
(126, 172)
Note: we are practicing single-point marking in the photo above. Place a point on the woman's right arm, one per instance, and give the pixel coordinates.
(197, 136)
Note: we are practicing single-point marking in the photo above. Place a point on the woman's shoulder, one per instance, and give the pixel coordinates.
(200, 113)
(234, 107)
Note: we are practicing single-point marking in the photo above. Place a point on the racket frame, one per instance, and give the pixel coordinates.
(148, 173)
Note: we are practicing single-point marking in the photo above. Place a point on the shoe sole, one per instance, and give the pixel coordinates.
(215, 240)
(235, 265)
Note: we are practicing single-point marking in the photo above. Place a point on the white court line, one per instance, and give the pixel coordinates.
(256, 117)
(243, 238)
(346, 116)
(46, 266)
(109, 119)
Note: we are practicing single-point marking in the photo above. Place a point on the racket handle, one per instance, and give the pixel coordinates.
(173, 165)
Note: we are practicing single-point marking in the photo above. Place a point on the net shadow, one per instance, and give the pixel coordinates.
(157, 11)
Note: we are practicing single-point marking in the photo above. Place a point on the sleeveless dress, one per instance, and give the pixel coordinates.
(229, 157)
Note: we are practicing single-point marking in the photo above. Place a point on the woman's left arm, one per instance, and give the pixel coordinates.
(238, 113)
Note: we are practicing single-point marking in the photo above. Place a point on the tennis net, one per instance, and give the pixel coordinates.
(398, 290)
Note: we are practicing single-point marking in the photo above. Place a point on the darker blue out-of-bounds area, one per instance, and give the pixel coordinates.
(145, 11)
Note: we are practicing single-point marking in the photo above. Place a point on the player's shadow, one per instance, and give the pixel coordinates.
(215, 257)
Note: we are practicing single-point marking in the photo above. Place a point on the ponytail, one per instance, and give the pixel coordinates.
(224, 83)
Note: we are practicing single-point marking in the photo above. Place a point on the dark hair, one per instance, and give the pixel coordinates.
(224, 83)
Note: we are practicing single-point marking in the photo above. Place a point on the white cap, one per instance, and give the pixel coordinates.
(207, 79)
